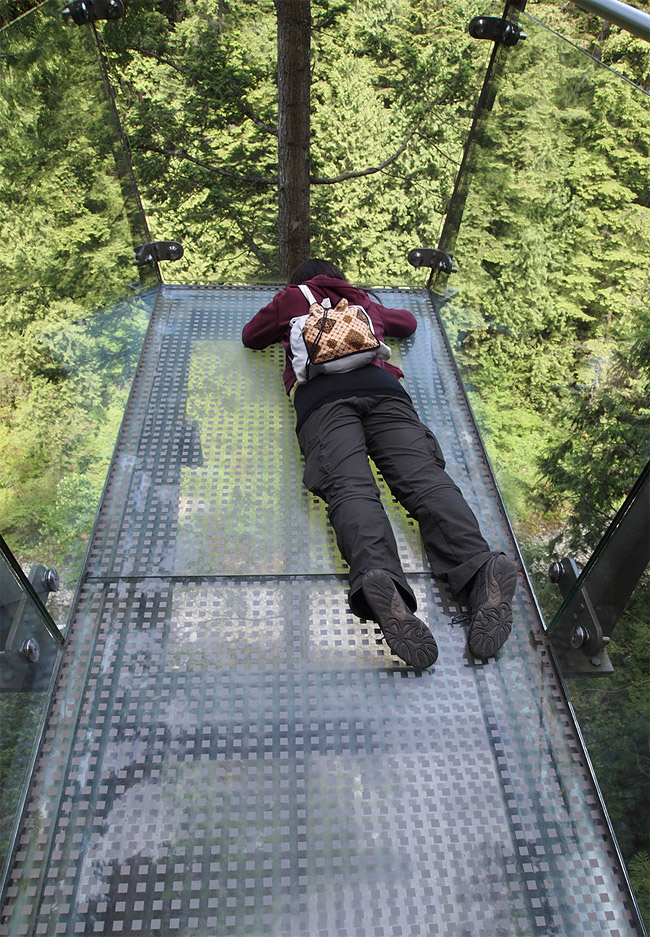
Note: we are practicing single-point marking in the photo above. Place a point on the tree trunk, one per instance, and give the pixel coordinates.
(294, 31)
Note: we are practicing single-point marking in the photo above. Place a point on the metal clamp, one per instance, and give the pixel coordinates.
(155, 251)
(81, 12)
(431, 257)
(495, 29)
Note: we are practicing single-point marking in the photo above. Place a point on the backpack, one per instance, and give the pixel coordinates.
(328, 341)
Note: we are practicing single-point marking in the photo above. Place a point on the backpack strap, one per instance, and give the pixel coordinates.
(309, 296)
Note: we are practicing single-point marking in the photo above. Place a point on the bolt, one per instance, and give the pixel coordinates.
(30, 650)
(51, 580)
(579, 637)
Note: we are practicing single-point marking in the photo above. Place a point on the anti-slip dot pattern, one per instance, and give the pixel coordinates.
(231, 752)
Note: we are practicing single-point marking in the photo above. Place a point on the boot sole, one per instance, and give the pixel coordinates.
(492, 620)
(406, 636)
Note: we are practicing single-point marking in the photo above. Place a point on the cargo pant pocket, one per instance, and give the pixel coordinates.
(315, 471)
(436, 451)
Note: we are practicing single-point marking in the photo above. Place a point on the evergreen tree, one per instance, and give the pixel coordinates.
(205, 148)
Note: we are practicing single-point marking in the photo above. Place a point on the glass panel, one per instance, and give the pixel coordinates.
(614, 715)
(29, 648)
(74, 307)
(548, 318)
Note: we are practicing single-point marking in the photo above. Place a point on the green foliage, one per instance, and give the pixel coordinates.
(69, 228)
(552, 328)
(407, 86)
(552, 308)
(608, 443)
(65, 214)
(197, 97)
(12, 9)
(197, 101)
(639, 867)
(614, 714)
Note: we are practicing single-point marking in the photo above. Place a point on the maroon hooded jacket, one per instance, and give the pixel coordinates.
(272, 323)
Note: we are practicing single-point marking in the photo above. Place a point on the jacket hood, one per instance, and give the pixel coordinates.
(341, 287)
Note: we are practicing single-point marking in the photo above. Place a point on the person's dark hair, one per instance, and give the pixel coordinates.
(309, 269)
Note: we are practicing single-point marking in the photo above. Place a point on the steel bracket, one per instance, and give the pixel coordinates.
(578, 638)
(21, 649)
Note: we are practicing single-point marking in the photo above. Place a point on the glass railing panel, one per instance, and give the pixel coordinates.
(29, 649)
(74, 306)
(74, 309)
(606, 605)
(596, 596)
(548, 318)
(614, 714)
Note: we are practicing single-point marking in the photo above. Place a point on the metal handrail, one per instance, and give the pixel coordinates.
(628, 17)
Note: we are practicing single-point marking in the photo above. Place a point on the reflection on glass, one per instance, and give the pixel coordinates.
(29, 647)
(71, 220)
(548, 316)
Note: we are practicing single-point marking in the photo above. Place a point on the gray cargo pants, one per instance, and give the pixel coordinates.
(336, 440)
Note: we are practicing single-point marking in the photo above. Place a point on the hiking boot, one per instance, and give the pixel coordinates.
(406, 635)
(490, 603)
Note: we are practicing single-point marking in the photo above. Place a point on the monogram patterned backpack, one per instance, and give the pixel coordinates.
(327, 340)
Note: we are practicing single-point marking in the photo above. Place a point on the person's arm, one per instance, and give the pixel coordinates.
(398, 323)
(264, 328)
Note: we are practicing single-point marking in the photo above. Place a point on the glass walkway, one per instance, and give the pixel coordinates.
(209, 744)
(231, 752)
